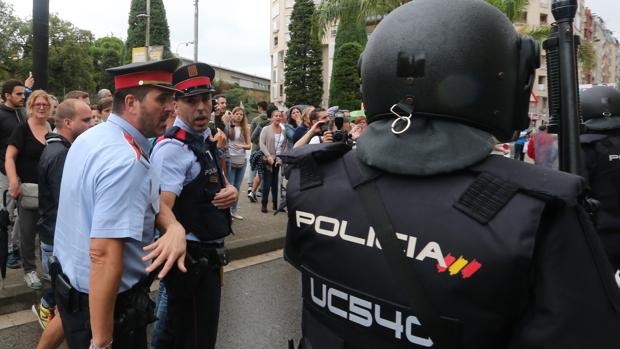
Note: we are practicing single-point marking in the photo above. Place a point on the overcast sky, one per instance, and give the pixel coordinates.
(233, 33)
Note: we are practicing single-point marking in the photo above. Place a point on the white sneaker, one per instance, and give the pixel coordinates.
(32, 280)
(236, 216)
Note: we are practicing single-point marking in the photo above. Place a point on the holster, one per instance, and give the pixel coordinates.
(134, 308)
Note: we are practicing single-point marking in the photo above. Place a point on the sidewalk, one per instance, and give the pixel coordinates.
(257, 233)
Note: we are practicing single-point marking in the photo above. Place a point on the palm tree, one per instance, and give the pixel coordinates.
(331, 11)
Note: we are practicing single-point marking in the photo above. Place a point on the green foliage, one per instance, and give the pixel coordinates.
(69, 65)
(107, 52)
(159, 33)
(76, 60)
(345, 84)
(303, 61)
(513, 9)
(330, 11)
(587, 56)
(351, 30)
(16, 45)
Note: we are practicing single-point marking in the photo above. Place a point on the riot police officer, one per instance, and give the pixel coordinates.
(194, 187)
(600, 108)
(107, 213)
(443, 245)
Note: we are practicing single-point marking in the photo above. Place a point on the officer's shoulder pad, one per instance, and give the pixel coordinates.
(589, 138)
(321, 153)
(537, 181)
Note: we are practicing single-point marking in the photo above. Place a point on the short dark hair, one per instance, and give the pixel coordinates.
(314, 116)
(542, 128)
(76, 94)
(263, 105)
(220, 96)
(118, 104)
(270, 110)
(8, 87)
(104, 102)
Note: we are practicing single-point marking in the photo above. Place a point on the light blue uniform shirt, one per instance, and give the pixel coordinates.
(108, 190)
(176, 165)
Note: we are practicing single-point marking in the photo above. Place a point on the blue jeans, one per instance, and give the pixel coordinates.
(161, 311)
(46, 253)
(235, 177)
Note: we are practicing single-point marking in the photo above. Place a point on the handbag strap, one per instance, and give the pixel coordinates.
(444, 331)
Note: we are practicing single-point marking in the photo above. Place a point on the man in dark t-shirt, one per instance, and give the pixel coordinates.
(11, 115)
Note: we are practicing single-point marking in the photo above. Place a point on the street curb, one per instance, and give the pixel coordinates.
(19, 297)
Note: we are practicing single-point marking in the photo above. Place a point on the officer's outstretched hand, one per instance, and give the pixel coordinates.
(170, 248)
(226, 197)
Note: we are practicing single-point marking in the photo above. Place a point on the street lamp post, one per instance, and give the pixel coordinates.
(182, 43)
(195, 30)
(147, 31)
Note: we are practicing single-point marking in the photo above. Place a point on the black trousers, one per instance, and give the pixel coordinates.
(76, 326)
(193, 308)
(270, 182)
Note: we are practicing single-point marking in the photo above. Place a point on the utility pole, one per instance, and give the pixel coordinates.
(195, 30)
(40, 42)
(148, 30)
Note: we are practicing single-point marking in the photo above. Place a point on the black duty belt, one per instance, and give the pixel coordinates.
(215, 253)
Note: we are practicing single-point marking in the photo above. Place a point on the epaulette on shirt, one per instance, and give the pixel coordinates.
(140, 155)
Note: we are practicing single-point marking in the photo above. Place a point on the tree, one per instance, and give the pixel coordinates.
(331, 11)
(16, 47)
(303, 61)
(107, 52)
(159, 31)
(344, 90)
(70, 60)
(351, 30)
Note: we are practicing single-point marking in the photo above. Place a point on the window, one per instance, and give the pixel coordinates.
(281, 56)
(290, 3)
(281, 90)
(275, 41)
(275, 8)
(541, 80)
(543, 18)
(334, 32)
(275, 24)
(287, 22)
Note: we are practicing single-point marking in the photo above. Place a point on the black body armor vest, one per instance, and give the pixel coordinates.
(193, 208)
(602, 159)
(502, 247)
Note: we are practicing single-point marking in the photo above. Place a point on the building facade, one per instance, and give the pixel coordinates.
(280, 16)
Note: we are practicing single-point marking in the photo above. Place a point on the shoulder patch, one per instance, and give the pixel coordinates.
(537, 181)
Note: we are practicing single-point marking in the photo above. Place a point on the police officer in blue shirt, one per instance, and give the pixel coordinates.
(108, 209)
(194, 187)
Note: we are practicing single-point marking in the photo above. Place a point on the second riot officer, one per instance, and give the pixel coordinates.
(600, 107)
(194, 187)
(443, 245)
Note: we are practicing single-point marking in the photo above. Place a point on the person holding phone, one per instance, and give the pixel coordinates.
(319, 130)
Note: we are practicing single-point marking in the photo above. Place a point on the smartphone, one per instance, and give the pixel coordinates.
(212, 127)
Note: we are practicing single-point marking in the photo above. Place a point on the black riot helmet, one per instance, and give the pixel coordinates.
(456, 60)
(599, 102)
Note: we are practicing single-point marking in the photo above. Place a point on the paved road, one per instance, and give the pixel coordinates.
(261, 307)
